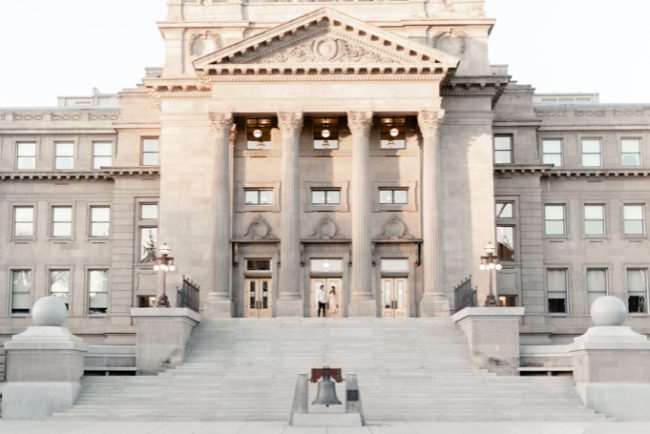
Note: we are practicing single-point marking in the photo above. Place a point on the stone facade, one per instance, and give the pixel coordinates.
(244, 215)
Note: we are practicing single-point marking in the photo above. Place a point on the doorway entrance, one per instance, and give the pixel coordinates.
(258, 298)
(329, 284)
(394, 297)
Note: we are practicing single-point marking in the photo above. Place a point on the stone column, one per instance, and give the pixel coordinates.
(289, 301)
(219, 299)
(362, 300)
(434, 300)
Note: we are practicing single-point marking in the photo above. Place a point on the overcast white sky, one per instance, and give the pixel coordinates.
(67, 47)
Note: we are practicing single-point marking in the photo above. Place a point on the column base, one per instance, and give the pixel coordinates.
(434, 305)
(362, 307)
(289, 307)
(217, 306)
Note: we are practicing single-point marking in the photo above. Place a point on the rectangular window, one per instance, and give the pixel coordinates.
(637, 290)
(64, 156)
(596, 284)
(258, 265)
(102, 155)
(326, 133)
(148, 243)
(62, 221)
(326, 196)
(100, 221)
(393, 196)
(503, 150)
(506, 243)
(631, 152)
(634, 219)
(326, 266)
(23, 221)
(595, 220)
(149, 211)
(552, 149)
(505, 210)
(21, 291)
(60, 285)
(258, 197)
(26, 155)
(556, 288)
(258, 133)
(151, 151)
(97, 291)
(393, 133)
(591, 153)
(554, 220)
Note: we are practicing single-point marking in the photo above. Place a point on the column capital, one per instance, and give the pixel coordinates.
(360, 122)
(289, 121)
(429, 122)
(222, 122)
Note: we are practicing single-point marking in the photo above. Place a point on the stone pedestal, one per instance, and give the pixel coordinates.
(493, 336)
(44, 364)
(611, 364)
(161, 337)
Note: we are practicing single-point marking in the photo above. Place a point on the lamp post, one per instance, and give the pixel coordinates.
(489, 263)
(164, 264)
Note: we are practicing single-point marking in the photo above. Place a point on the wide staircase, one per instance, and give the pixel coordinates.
(409, 369)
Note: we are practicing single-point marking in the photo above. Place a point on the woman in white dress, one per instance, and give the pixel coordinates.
(332, 302)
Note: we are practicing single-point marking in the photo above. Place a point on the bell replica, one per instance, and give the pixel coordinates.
(326, 394)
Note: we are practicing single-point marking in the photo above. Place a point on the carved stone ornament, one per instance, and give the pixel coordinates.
(289, 121)
(221, 121)
(360, 122)
(259, 229)
(395, 229)
(452, 41)
(429, 121)
(326, 229)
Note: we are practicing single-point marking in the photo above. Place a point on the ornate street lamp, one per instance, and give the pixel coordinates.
(489, 263)
(164, 264)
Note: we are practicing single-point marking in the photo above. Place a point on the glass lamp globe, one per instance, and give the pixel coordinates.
(325, 133)
(394, 132)
(499, 267)
(257, 133)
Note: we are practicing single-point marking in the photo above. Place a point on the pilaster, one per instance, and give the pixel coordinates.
(362, 301)
(289, 301)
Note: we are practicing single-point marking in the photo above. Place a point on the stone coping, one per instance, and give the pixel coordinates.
(45, 338)
(611, 338)
(165, 312)
(488, 312)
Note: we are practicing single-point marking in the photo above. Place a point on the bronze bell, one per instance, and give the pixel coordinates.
(326, 394)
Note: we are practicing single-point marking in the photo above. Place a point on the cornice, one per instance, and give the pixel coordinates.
(102, 175)
(480, 85)
(522, 169)
(548, 171)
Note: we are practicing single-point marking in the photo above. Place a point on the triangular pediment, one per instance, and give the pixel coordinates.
(324, 37)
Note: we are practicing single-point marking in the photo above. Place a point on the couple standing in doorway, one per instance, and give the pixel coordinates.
(327, 303)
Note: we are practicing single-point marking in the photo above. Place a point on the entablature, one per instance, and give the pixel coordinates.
(107, 174)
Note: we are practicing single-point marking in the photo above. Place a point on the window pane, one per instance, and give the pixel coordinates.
(266, 197)
(401, 197)
(98, 281)
(633, 227)
(556, 282)
(99, 162)
(630, 146)
(633, 212)
(554, 212)
(317, 197)
(554, 159)
(326, 266)
(98, 302)
(503, 157)
(59, 281)
(591, 160)
(21, 281)
(64, 163)
(62, 213)
(102, 149)
(505, 243)
(556, 305)
(631, 160)
(637, 280)
(394, 266)
(502, 143)
(100, 214)
(24, 229)
(258, 265)
(24, 214)
(61, 230)
(26, 163)
(597, 281)
(591, 146)
(504, 210)
(150, 159)
(150, 145)
(594, 228)
(552, 147)
(100, 230)
(149, 211)
(554, 228)
(594, 212)
(385, 196)
(148, 242)
(251, 197)
(26, 149)
(65, 149)
(333, 197)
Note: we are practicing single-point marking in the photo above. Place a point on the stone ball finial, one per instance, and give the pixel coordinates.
(608, 311)
(49, 312)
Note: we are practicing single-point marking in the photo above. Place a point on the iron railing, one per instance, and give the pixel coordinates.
(464, 295)
(188, 295)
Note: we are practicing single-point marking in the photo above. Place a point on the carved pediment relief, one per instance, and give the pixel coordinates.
(259, 229)
(326, 229)
(395, 229)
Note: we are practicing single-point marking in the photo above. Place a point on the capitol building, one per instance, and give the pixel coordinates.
(365, 147)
